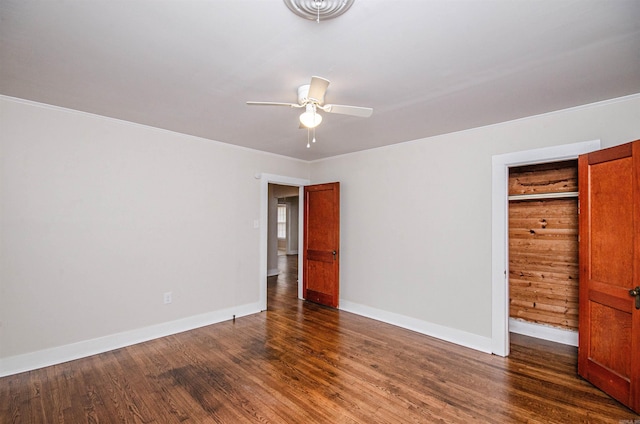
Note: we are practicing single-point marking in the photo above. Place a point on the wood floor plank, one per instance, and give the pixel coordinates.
(300, 362)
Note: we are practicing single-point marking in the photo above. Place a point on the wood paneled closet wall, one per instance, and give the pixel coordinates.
(543, 244)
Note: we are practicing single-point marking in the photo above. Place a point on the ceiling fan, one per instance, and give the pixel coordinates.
(311, 98)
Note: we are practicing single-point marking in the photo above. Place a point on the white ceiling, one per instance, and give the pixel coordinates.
(427, 67)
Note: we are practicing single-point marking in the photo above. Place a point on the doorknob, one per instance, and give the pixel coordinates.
(334, 257)
(636, 293)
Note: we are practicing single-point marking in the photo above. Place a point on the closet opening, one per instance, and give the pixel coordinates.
(543, 251)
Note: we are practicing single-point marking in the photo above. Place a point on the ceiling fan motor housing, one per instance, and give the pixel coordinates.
(303, 95)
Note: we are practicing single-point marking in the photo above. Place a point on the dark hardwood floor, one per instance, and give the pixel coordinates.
(302, 363)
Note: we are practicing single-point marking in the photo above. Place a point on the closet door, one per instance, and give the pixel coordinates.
(609, 315)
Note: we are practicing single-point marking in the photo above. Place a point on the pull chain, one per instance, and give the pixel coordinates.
(309, 137)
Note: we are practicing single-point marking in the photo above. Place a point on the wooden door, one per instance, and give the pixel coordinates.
(609, 318)
(321, 248)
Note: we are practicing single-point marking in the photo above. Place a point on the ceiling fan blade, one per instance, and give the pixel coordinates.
(317, 89)
(273, 104)
(363, 112)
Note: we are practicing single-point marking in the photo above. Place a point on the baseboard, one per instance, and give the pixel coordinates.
(273, 272)
(462, 338)
(544, 332)
(57, 355)
(43, 358)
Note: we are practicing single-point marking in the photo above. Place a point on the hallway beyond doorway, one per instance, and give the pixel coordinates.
(282, 289)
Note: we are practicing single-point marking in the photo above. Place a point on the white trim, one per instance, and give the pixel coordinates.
(138, 125)
(497, 124)
(390, 146)
(462, 338)
(265, 180)
(273, 272)
(545, 332)
(542, 196)
(499, 228)
(60, 354)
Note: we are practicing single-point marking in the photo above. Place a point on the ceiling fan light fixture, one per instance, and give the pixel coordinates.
(317, 10)
(310, 118)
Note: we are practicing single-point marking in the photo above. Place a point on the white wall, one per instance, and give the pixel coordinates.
(416, 217)
(100, 217)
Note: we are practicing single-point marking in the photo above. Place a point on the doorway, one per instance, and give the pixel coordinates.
(543, 251)
(282, 234)
(499, 228)
(262, 224)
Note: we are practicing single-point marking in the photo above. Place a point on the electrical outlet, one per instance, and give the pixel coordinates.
(167, 298)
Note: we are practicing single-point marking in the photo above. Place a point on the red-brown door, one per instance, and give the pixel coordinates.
(321, 243)
(609, 315)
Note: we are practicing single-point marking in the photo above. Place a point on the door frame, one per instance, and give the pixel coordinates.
(265, 180)
(500, 228)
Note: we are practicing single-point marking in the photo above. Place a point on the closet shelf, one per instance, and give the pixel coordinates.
(538, 196)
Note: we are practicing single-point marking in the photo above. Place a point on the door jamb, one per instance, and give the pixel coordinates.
(265, 180)
(500, 228)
